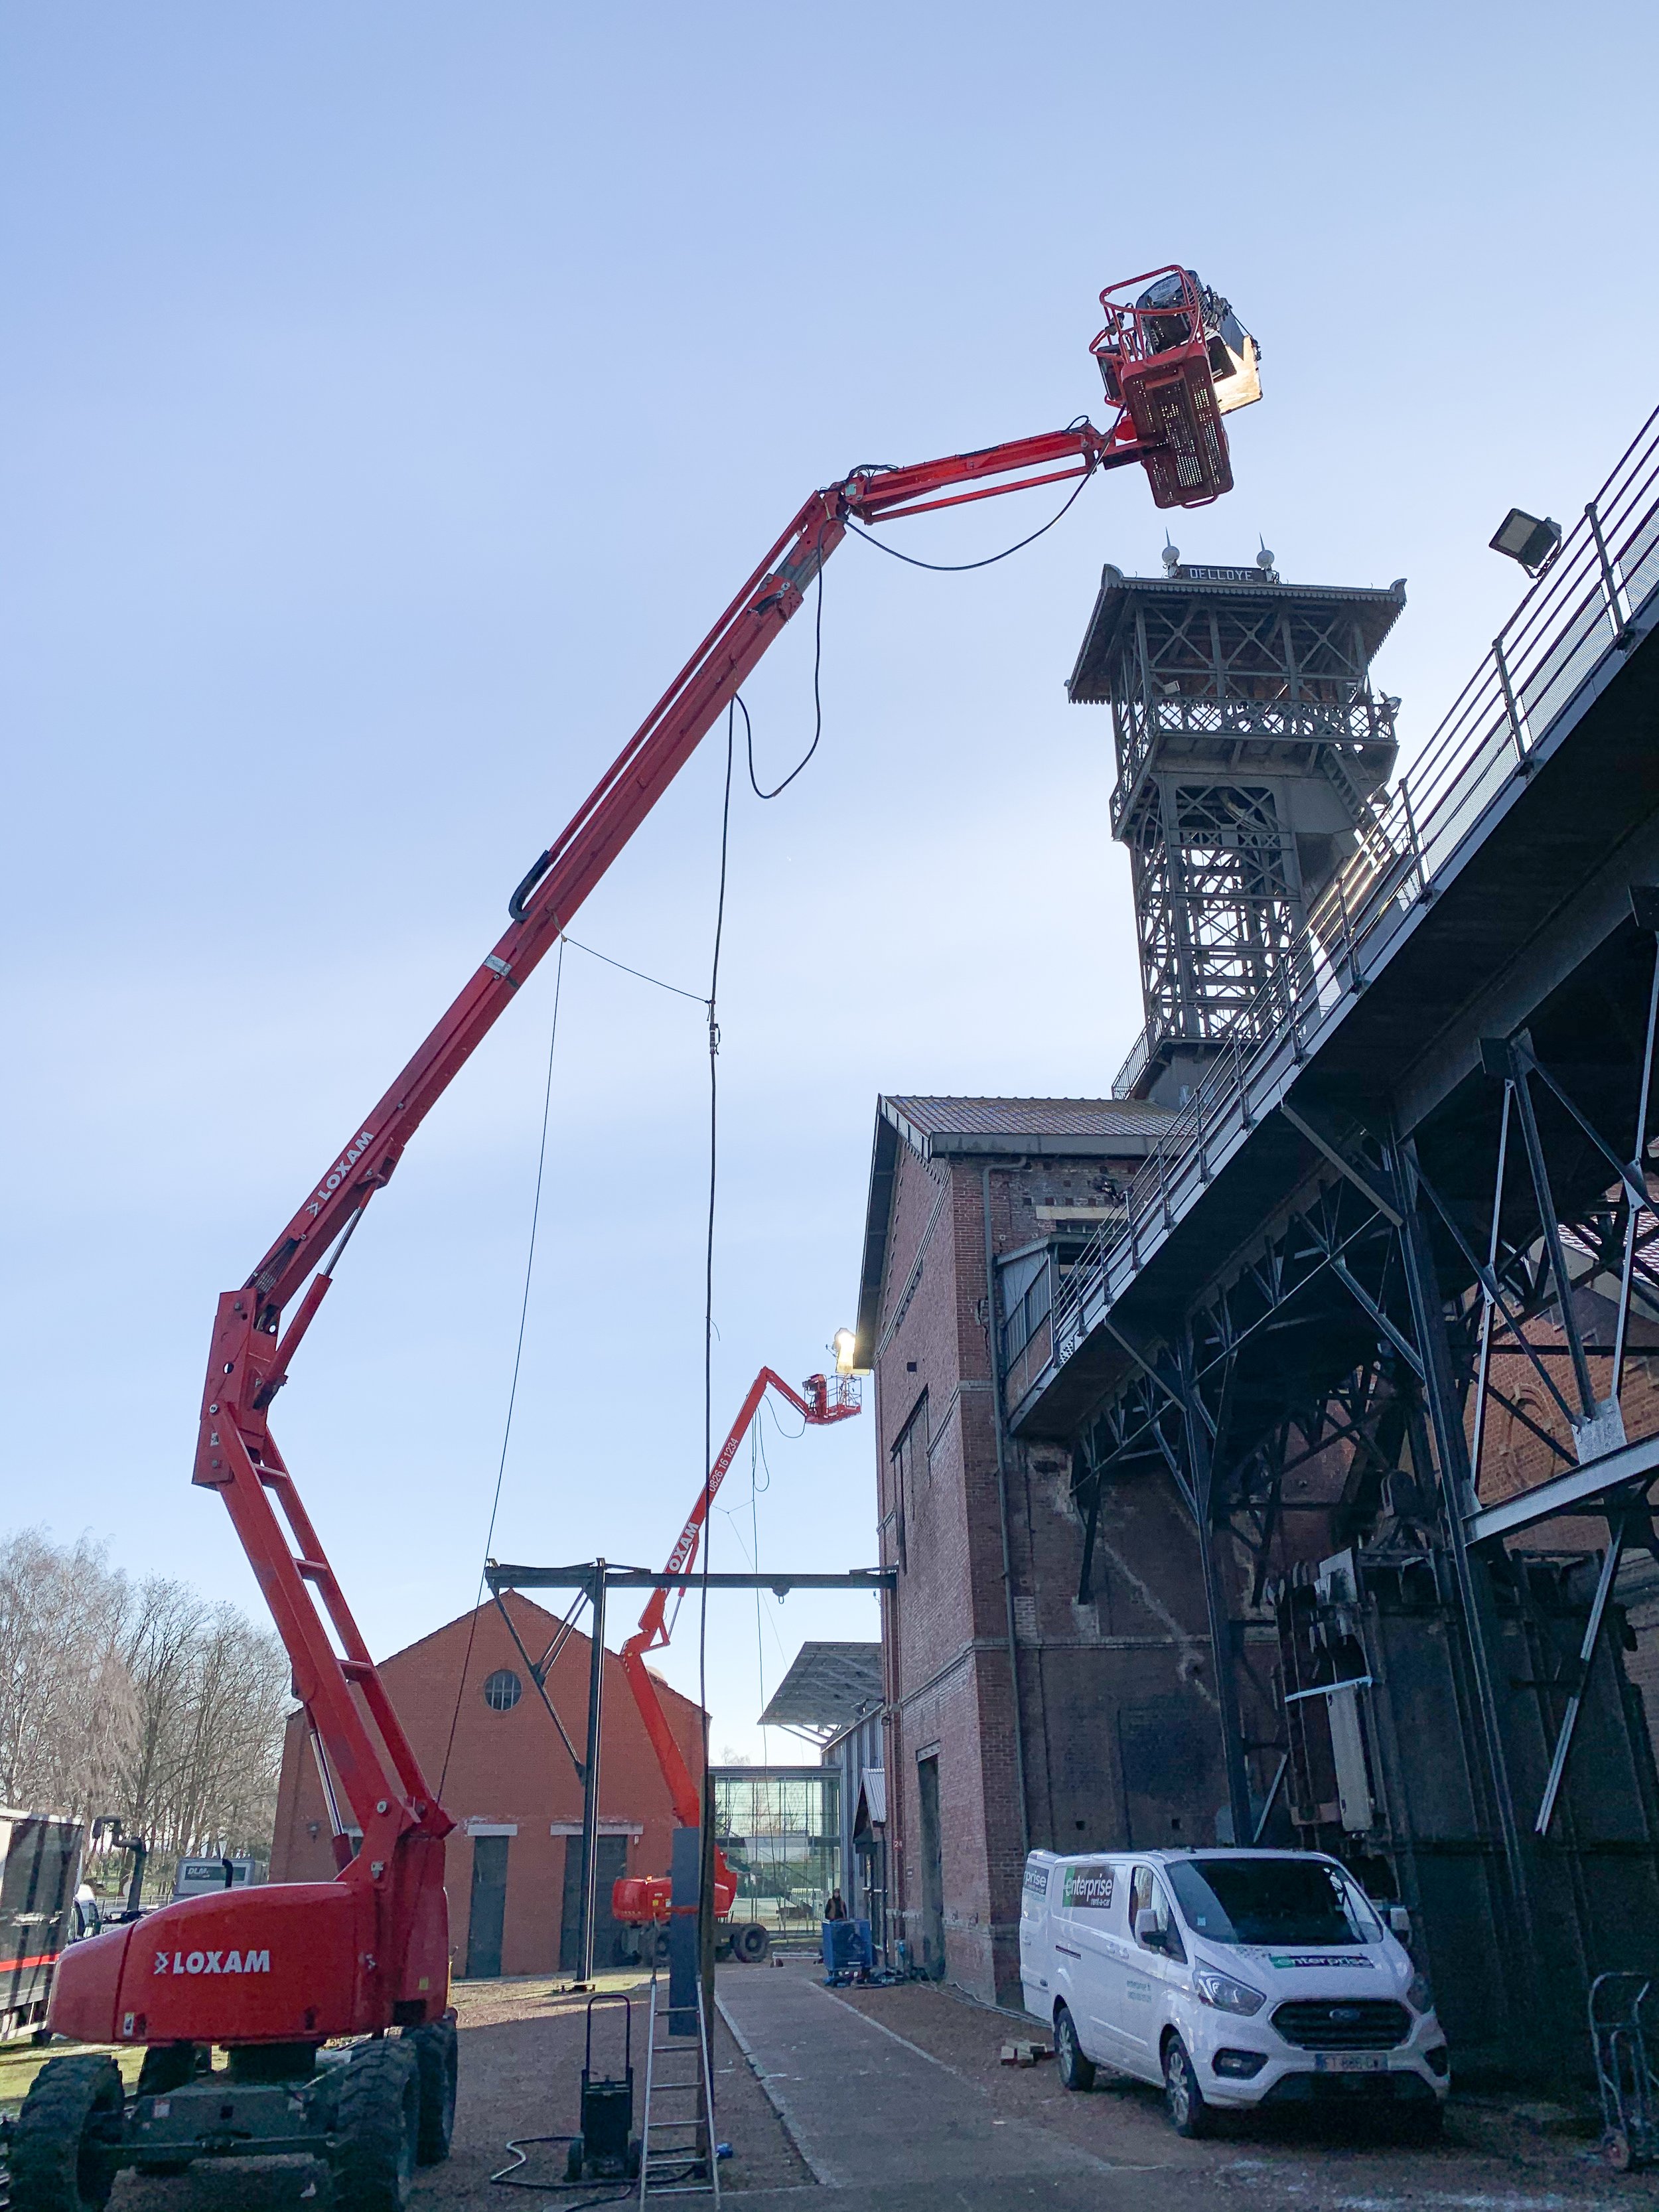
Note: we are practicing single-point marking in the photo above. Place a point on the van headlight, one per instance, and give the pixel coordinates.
(1419, 1993)
(1226, 1995)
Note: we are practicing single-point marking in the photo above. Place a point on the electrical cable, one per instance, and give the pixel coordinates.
(817, 707)
(696, 997)
(757, 1461)
(708, 1246)
(957, 567)
(518, 1360)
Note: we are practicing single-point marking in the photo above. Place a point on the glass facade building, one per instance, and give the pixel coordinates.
(780, 1828)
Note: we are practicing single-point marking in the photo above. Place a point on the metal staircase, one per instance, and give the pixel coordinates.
(677, 2142)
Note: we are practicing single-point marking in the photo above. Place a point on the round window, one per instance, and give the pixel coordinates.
(502, 1690)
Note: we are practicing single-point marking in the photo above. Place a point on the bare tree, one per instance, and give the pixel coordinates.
(67, 1712)
(143, 1700)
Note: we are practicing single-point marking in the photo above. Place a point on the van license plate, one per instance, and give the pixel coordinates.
(1351, 2062)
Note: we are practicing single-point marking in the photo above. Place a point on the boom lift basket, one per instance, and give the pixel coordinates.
(1176, 359)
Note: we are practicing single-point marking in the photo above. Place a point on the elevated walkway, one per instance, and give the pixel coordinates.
(1510, 844)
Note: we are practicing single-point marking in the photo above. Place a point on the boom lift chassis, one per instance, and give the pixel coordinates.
(274, 1974)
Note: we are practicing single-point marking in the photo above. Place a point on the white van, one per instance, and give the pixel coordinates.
(1234, 1977)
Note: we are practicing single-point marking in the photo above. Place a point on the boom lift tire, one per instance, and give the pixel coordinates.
(437, 2056)
(751, 1943)
(67, 2138)
(377, 2127)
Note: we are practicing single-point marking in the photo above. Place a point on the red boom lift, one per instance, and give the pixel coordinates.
(642, 1900)
(273, 1974)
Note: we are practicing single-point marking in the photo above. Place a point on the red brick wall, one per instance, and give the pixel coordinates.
(1139, 1650)
(503, 1767)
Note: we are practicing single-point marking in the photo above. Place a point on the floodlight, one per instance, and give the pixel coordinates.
(1531, 540)
(844, 1345)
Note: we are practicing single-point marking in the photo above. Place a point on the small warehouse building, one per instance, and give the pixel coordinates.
(512, 1866)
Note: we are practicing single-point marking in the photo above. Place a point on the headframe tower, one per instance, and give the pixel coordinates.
(1250, 746)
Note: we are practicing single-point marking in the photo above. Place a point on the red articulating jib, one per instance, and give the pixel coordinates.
(374, 1949)
(638, 1899)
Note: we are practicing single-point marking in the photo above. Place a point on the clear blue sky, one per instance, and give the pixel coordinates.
(391, 395)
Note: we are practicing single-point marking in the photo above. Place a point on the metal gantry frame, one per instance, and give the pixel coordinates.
(592, 1580)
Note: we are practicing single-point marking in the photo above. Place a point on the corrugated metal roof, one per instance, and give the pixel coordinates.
(829, 1684)
(1032, 1117)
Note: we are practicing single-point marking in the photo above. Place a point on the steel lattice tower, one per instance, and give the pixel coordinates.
(1250, 746)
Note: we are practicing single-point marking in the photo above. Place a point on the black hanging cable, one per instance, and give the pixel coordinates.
(576, 946)
(817, 707)
(518, 1360)
(956, 568)
(709, 1247)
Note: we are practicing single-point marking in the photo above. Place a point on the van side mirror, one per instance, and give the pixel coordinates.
(1400, 1922)
(1148, 1930)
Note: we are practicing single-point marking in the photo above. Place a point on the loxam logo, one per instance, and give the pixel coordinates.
(337, 1174)
(212, 1962)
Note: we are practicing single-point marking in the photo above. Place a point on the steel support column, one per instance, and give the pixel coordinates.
(1451, 1450)
(1200, 1467)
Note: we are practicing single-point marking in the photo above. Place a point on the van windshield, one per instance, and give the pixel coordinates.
(1271, 1901)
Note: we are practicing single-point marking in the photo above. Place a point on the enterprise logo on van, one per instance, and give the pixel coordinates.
(1340, 1959)
(1089, 1888)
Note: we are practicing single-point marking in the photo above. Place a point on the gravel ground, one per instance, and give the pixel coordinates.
(521, 2058)
(1500, 2154)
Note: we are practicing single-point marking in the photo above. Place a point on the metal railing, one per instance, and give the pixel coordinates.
(1358, 721)
(1577, 613)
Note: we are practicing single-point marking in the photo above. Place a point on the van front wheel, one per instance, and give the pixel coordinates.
(1189, 2115)
(1076, 2072)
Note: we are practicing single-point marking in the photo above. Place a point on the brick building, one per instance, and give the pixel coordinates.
(513, 1866)
(1016, 1716)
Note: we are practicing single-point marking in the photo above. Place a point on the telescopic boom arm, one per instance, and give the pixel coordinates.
(1171, 364)
(819, 1408)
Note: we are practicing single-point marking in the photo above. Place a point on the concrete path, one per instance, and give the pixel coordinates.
(871, 2111)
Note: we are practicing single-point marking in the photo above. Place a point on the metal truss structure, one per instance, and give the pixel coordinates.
(1250, 744)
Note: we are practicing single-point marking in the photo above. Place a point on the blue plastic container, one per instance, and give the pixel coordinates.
(847, 1945)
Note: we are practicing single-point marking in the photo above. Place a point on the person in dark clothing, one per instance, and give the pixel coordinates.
(833, 1908)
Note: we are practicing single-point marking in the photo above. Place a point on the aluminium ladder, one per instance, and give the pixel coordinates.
(677, 2156)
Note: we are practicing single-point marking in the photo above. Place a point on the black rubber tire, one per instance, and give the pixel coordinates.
(574, 2158)
(166, 2066)
(751, 1943)
(377, 2127)
(1183, 2100)
(68, 2135)
(1076, 2072)
(436, 2055)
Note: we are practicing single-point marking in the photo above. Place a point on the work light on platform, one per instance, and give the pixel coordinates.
(1532, 541)
(844, 1345)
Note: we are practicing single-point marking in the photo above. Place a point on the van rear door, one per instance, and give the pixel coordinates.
(1036, 1938)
